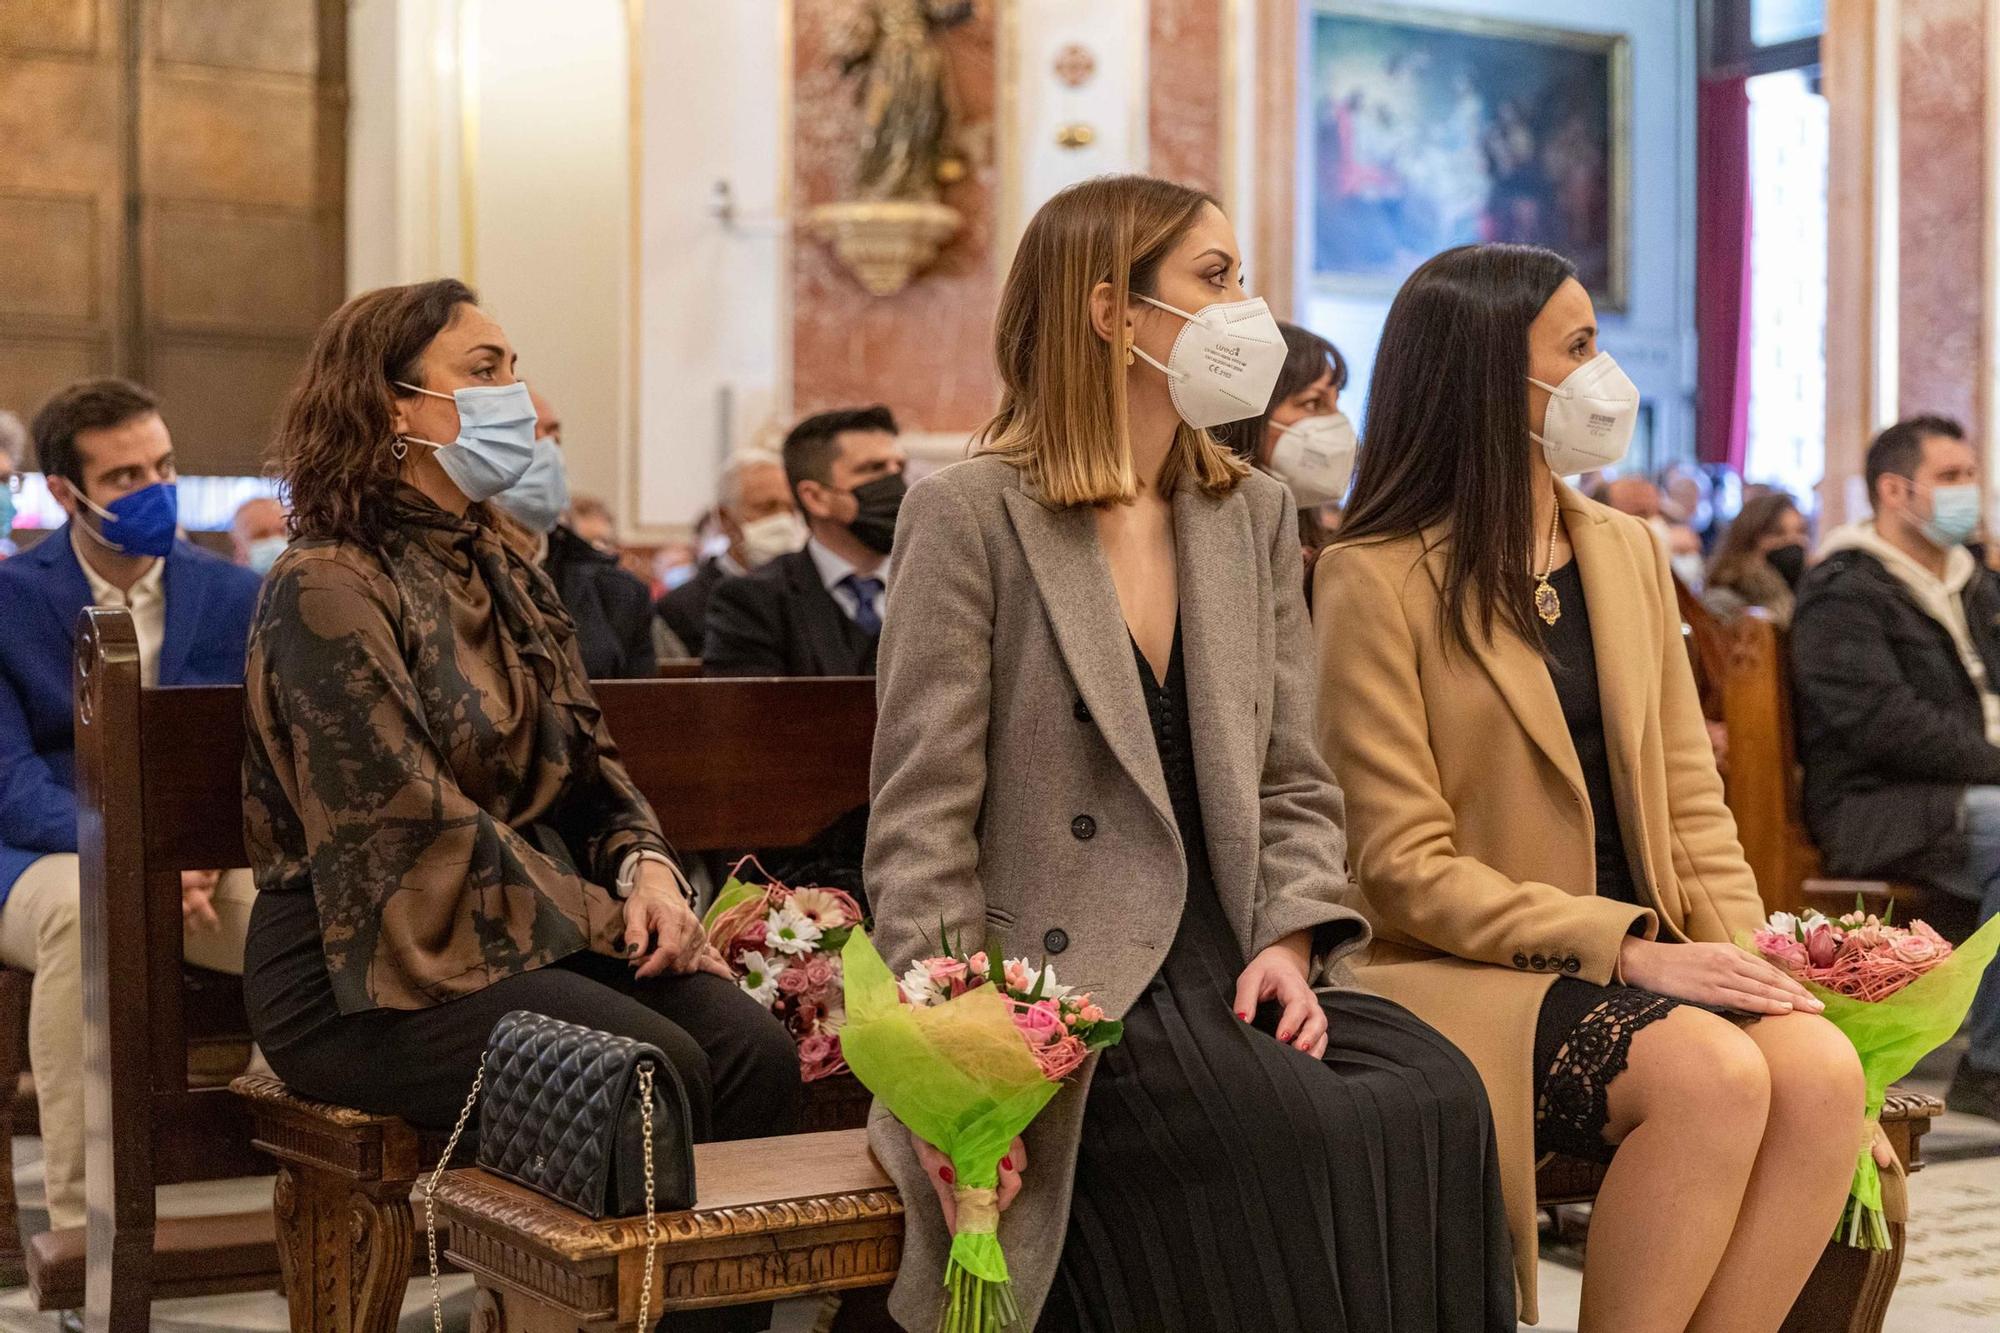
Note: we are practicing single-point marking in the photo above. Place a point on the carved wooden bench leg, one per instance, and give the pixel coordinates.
(345, 1247)
(346, 1230)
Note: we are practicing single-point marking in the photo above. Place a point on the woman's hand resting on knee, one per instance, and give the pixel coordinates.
(1718, 974)
(662, 933)
(1278, 974)
(938, 1168)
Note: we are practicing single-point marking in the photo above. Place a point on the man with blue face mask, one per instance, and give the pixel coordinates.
(1896, 656)
(109, 461)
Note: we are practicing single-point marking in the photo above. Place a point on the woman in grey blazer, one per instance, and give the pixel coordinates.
(1096, 744)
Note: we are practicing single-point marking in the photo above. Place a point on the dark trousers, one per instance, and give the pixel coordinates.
(737, 1062)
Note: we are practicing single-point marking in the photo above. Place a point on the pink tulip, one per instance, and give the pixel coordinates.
(1822, 945)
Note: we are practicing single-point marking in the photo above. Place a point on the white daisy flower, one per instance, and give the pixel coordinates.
(918, 988)
(1784, 923)
(759, 979)
(790, 931)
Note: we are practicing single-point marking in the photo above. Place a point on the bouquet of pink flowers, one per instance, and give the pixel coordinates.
(784, 946)
(1897, 992)
(966, 1052)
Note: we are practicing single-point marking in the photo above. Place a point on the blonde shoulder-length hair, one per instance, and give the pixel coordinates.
(1062, 417)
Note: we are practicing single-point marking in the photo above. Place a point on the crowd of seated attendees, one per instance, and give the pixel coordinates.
(1093, 656)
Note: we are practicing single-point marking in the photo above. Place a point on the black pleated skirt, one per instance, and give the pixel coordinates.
(1225, 1181)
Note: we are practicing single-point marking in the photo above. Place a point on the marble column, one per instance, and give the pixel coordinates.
(1912, 305)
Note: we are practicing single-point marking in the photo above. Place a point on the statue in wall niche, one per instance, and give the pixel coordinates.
(891, 225)
(904, 95)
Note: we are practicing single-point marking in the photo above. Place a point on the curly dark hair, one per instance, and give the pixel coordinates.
(335, 443)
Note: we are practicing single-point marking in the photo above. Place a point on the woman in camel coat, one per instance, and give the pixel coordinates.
(1537, 831)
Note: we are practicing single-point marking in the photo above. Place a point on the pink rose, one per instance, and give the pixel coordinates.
(1041, 1022)
(792, 981)
(752, 936)
(1822, 945)
(1783, 950)
(948, 973)
(978, 963)
(1914, 948)
(819, 973)
(1061, 1059)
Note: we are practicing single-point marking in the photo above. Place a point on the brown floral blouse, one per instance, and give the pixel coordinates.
(425, 757)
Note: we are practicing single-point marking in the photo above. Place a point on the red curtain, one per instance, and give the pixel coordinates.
(1722, 272)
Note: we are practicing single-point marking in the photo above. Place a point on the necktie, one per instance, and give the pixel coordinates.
(867, 593)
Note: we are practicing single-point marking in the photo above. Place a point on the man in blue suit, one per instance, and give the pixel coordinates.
(110, 463)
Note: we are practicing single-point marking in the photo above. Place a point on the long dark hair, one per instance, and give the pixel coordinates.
(1738, 564)
(335, 444)
(1307, 357)
(1447, 442)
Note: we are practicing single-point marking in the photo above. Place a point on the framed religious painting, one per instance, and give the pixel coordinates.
(1431, 130)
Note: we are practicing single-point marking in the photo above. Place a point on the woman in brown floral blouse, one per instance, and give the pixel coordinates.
(440, 826)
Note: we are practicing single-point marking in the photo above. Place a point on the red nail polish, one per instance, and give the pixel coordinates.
(1284, 1036)
(1240, 1014)
(944, 1174)
(1006, 1164)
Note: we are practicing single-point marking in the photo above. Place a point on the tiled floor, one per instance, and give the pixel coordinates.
(1950, 1282)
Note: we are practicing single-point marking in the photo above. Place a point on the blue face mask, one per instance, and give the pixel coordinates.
(538, 499)
(7, 511)
(1954, 515)
(141, 523)
(264, 552)
(496, 437)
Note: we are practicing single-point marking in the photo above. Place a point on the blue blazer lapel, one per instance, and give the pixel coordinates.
(63, 584)
(185, 590)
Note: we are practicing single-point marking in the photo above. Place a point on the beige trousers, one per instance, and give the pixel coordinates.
(39, 933)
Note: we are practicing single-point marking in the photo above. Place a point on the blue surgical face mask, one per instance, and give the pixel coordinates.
(1954, 515)
(7, 511)
(141, 523)
(264, 552)
(496, 437)
(538, 499)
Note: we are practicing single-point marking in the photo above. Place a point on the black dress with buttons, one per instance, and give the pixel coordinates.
(1225, 1181)
(1583, 1035)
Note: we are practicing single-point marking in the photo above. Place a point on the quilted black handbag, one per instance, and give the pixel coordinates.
(595, 1121)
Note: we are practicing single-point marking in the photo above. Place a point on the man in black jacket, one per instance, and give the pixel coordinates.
(818, 612)
(1896, 656)
(756, 513)
(612, 608)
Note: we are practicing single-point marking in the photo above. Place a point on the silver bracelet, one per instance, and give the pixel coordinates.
(628, 873)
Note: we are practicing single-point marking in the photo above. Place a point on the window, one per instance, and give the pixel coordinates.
(1759, 36)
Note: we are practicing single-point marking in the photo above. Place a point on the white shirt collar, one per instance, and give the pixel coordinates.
(833, 569)
(148, 587)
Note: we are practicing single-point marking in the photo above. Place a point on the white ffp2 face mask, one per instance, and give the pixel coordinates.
(1592, 415)
(1315, 457)
(1225, 362)
(767, 538)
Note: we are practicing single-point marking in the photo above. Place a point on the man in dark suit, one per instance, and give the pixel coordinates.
(758, 517)
(818, 612)
(611, 607)
(110, 464)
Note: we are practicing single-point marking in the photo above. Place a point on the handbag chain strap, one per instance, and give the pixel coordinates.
(451, 1146)
(652, 1224)
(430, 1198)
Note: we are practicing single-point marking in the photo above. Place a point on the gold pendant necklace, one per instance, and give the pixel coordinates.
(1547, 604)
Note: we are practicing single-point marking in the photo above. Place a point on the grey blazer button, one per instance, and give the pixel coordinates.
(1081, 711)
(1083, 827)
(1056, 940)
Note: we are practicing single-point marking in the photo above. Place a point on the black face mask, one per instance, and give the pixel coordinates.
(1789, 561)
(876, 507)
